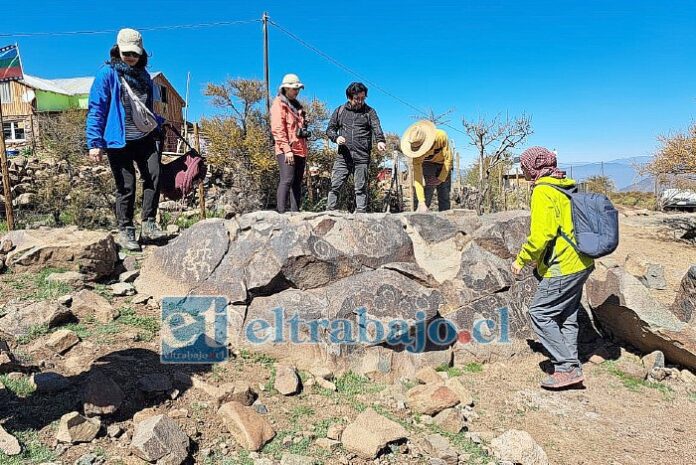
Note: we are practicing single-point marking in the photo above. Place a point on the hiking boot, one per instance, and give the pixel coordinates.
(126, 239)
(150, 232)
(563, 379)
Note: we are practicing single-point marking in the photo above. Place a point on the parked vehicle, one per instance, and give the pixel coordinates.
(678, 199)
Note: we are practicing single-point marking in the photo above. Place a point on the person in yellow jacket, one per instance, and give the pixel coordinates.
(561, 269)
(430, 150)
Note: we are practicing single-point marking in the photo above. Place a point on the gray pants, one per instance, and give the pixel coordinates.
(554, 314)
(342, 168)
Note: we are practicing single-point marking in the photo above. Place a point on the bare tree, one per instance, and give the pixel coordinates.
(436, 119)
(494, 140)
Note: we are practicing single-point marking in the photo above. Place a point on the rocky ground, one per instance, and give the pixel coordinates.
(81, 379)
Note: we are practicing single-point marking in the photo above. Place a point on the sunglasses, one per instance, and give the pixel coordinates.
(131, 54)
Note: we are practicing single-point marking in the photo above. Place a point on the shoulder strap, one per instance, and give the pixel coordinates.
(340, 112)
(568, 193)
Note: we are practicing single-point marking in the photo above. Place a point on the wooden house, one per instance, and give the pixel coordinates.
(23, 101)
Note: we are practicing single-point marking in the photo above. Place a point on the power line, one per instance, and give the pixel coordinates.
(345, 68)
(145, 29)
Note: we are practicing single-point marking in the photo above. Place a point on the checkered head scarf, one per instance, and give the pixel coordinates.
(540, 162)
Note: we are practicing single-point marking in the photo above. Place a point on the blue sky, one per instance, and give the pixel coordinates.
(600, 78)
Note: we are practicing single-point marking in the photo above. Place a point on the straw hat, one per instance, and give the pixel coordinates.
(418, 139)
(291, 81)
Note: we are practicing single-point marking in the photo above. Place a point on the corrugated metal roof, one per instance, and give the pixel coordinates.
(43, 84)
(75, 86)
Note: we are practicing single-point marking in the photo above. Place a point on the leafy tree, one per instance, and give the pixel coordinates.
(676, 158)
(600, 185)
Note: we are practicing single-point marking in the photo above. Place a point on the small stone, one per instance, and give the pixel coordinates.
(249, 429)
(328, 444)
(328, 385)
(334, 432)
(89, 459)
(430, 399)
(65, 300)
(89, 303)
(518, 447)
(144, 414)
(6, 246)
(74, 428)
(322, 372)
(370, 433)
(71, 278)
(9, 444)
(287, 441)
(688, 377)
(114, 430)
(140, 299)
(597, 359)
(160, 439)
(62, 340)
(130, 263)
(426, 420)
(173, 229)
(287, 381)
(179, 413)
(451, 420)
(428, 375)
(653, 360)
(102, 396)
(122, 289)
(129, 276)
(260, 408)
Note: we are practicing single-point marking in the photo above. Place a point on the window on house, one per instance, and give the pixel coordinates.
(163, 94)
(5, 93)
(13, 131)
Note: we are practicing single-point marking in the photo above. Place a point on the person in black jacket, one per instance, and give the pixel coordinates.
(352, 127)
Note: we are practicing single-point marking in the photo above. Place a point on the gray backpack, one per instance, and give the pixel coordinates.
(595, 220)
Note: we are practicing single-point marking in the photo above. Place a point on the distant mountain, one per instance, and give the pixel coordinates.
(624, 171)
(645, 185)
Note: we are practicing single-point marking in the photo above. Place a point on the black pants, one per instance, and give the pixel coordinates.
(143, 153)
(443, 190)
(342, 168)
(290, 181)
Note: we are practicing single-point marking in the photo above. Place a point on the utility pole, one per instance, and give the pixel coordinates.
(266, 71)
(201, 187)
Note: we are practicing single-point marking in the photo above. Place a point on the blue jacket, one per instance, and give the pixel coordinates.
(106, 117)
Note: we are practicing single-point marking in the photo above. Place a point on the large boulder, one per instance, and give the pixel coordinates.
(263, 253)
(624, 308)
(404, 270)
(684, 306)
(19, 318)
(92, 253)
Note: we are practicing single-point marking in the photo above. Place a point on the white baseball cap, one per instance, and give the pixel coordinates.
(130, 40)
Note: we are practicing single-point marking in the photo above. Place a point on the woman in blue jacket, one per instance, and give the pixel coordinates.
(112, 131)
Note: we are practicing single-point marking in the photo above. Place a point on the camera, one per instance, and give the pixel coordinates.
(303, 133)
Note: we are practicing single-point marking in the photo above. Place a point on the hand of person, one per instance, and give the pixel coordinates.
(96, 155)
(432, 181)
(289, 158)
(340, 140)
(422, 208)
(515, 269)
(381, 146)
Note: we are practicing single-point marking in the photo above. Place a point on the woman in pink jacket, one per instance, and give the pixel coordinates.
(289, 128)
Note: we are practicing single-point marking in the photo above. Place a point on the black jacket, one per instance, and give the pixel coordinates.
(358, 127)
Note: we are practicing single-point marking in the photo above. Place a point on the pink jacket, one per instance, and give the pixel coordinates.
(285, 119)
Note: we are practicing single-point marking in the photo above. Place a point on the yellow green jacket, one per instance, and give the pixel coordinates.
(441, 154)
(553, 255)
